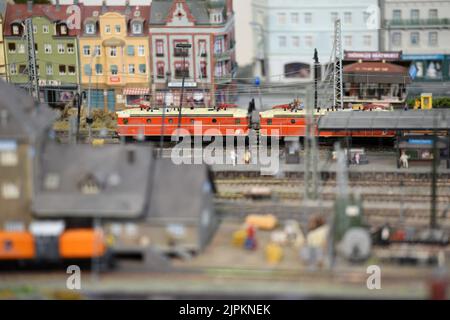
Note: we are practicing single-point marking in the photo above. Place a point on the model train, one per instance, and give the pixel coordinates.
(281, 121)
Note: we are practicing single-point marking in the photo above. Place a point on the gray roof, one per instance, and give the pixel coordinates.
(382, 120)
(160, 10)
(66, 174)
(2, 8)
(23, 118)
(178, 192)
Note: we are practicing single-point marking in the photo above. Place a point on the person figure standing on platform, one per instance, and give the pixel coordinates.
(404, 160)
(233, 157)
(357, 158)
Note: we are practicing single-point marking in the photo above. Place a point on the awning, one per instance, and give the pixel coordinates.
(376, 72)
(136, 91)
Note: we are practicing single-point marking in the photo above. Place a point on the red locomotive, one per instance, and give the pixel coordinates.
(225, 120)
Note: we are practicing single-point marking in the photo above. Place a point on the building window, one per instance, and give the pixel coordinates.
(281, 18)
(295, 18)
(180, 71)
(142, 68)
(34, 29)
(22, 68)
(13, 68)
(21, 48)
(114, 69)
(36, 47)
(308, 18)
(87, 70)
(433, 39)
(70, 48)
(61, 48)
(97, 51)
(71, 70)
(397, 14)
(415, 14)
(49, 69)
(107, 28)
(130, 51)
(98, 68)
(117, 28)
(348, 41)
(9, 158)
(141, 51)
(180, 52)
(367, 40)
(347, 17)
(89, 28)
(113, 51)
(159, 48)
(15, 29)
(62, 29)
(433, 14)
(309, 41)
(297, 70)
(10, 191)
(202, 48)
(47, 48)
(282, 41)
(415, 38)
(203, 70)
(12, 47)
(218, 45)
(334, 16)
(296, 41)
(87, 50)
(62, 69)
(45, 29)
(136, 28)
(131, 69)
(397, 39)
(160, 70)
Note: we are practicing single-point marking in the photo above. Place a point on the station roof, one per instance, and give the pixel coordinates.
(386, 120)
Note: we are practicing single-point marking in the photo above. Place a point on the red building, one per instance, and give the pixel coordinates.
(209, 65)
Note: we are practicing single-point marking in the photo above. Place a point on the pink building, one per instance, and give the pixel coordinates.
(209, 65)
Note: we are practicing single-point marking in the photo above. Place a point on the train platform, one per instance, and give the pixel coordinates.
(385, 163)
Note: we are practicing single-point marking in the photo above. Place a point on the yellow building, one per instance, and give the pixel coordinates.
(114, 55)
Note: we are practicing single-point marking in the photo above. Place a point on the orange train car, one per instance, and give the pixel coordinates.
(72, 244)
(154, 122)
(284, 121)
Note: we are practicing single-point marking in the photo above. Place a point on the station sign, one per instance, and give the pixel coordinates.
(372, 55)
(49, 83)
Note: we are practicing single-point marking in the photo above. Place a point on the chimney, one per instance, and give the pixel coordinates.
(104, 6)
(127, 7)
(30, 6)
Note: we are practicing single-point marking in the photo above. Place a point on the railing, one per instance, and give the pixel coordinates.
(417, 22)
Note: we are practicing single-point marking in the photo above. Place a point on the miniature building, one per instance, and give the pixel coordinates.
(375, 78)
(21, 125)
(81, 181)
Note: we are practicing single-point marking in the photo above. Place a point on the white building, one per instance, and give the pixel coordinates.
(421, 29)
(286, 33)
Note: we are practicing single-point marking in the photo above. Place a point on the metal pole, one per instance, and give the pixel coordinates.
(89, 119)
(433, 221)
(182, 90)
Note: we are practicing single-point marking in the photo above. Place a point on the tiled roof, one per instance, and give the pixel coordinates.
(131, 12)
(161, 8)
(19, 12)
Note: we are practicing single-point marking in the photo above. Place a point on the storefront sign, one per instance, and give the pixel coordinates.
(179, 84)
(420, 141)
(114, 79)
(372, 56)
(49, 83)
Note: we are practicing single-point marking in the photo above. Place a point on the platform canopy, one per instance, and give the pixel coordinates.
(386, 120)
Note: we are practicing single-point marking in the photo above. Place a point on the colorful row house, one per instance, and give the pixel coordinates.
(56, 48)
(121, 55)
(208, 67)
(114, 55)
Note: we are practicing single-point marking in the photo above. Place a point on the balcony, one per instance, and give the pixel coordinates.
(224, 55)
(418, 23)
(226, 79)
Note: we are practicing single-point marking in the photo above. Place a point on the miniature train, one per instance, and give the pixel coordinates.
(281, 121)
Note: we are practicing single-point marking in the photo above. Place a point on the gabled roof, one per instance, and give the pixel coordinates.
(23, 119)
(179, 192)
(19, 12)
(161, 10)
(173, 11)
(83, 181)
(140, 13)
